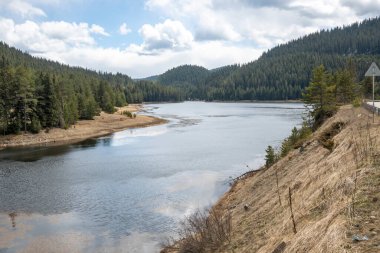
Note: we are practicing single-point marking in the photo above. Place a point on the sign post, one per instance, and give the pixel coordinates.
(373, 71)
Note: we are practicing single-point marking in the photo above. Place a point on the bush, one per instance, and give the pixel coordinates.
(35, 126)
(204, 231)
(129, 114)
(357, 102)
(294, 141)
(270, 157)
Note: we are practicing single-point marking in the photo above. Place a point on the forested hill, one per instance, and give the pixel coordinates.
(284, 71)
(36, 93)
(184, 75)
(194, 81)
(358, 38)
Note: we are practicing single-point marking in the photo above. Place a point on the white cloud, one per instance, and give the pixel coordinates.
(262, 23)
(24, 9)
(97, 29)
(124, 29)
(48, 36)
(363, 7)
(208, 23)
(170, 34)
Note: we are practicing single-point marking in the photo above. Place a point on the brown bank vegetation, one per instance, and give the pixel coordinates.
(333, 184)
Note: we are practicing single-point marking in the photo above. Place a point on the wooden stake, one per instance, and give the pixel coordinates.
(353, 195)
(278, 190)
(291, 211)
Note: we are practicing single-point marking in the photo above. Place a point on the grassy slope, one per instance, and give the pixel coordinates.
(323, 187)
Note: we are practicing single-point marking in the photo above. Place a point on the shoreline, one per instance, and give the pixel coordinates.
(102, 125)
(291, 101)
(258, 101)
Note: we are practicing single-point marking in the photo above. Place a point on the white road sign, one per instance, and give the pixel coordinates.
(373, 70)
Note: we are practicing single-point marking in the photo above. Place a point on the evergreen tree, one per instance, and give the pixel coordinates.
(25, 103)
(319, 96)
(270, 156)
(47, 106)
(87, 105)
(345, 87)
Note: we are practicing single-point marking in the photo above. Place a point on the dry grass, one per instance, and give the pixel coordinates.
(326, 182)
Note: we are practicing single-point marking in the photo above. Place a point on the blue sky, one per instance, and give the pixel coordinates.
(147, 37)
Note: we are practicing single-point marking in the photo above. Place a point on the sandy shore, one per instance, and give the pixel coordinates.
(102, 125)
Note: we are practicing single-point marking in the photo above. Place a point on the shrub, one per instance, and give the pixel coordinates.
(35, 126)
(129, 114)
(357, 102)
(204, 231)
(270, 157)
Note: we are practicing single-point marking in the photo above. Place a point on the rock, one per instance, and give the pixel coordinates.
(358, 238)
(280, 248)
(373, 233)
(375, 199)
(246, 207)
(372, 217)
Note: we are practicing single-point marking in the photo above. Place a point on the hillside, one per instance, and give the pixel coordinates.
(334, 189)
(195, 81)
(284, 71)
(334, 193)
(184, 75)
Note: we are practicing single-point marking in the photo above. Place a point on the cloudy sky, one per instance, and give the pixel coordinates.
(146, 37)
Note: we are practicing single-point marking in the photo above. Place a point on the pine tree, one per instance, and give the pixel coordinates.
(345, 87)
(319, 96)
(270, 156)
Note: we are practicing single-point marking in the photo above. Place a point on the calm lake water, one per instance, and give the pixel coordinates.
(128, 191)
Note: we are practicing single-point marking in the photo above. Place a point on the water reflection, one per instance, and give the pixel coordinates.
(35, 153)
(32, 154)
(64, 233)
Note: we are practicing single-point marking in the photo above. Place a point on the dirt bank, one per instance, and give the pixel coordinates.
(334, 179)
(103, 124)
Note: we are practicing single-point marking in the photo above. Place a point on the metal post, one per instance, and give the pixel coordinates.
(25, 114)
(373, 95)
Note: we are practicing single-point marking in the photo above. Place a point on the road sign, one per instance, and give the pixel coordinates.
(373, 70)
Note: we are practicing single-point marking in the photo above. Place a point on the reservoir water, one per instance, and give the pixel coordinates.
(126, 192)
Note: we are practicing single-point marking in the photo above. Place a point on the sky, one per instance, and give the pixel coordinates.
(142, 38)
